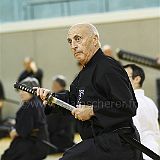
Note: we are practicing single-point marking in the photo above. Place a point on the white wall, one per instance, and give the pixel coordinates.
(45, 40)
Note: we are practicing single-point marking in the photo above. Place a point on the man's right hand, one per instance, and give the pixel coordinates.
(42, 93)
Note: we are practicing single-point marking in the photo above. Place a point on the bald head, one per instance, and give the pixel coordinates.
(84, 41)
(87, 28)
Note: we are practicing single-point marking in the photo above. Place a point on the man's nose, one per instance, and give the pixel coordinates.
(74, 45)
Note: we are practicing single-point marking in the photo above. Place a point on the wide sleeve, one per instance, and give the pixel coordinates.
(121, 100)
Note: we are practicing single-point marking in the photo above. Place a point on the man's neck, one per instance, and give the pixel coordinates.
(90, 57)
(137, 88)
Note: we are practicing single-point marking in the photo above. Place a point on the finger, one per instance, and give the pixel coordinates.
(76, 111)
(45, 93)
(76, 116)
(79, 106)
(44, 103)
(73, 112)
(80, 118)
(41, 93)
(38, 91)
(35, 89)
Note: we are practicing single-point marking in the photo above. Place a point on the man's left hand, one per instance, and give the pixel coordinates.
(83, 112)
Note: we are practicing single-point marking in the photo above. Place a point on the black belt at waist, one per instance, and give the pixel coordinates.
(125, 127)
(124, 131)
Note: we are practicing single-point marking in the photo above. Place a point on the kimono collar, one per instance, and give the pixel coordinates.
(139, 92)
(95, 58)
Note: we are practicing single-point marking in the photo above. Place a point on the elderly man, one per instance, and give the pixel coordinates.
(146, 119)
(104, 98)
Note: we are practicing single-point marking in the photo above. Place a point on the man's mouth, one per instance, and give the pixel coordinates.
(77, 53)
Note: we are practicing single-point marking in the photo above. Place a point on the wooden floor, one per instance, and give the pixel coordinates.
(5, 142)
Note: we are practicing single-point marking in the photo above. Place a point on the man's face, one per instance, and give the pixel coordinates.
(134, 81)
(27, 64)
(82, 43)
(25, 96)
(56, 87)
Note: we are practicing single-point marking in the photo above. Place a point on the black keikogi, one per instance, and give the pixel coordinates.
(104, 84)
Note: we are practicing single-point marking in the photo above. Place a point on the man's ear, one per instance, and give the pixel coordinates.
(95, 40)
(137, 79)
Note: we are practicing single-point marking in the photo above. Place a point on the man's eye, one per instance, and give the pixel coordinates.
(69, 41)
(78, 39)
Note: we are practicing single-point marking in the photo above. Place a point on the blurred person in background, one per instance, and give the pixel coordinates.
(146, 119)
(2, 97)
(30, 129)
(107, 50)
(158, 60)
(60, 124)
(31, 70)
(7, 122)
(3, 133)
(59, 83)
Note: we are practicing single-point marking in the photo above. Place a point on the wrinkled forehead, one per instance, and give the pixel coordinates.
(79, 31)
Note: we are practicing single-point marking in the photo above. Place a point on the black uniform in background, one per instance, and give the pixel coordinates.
(104, 84)
(1, 91)
(3, 133)
(38, 75)
(60, 125)
(2, 96)
(31, 128)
